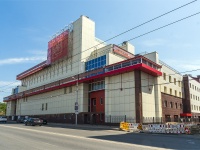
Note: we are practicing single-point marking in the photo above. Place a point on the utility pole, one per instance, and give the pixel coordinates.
(76, 103)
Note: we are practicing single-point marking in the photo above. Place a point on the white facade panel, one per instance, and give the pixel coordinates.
(194, 87)
(148, 95)
(118, 95)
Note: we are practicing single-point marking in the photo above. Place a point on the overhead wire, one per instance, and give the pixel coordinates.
(165, 26)
(133, 87)
(146, 32)
(155, 30)
(132, 29)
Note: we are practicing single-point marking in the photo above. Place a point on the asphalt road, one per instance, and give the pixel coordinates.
(68, 137)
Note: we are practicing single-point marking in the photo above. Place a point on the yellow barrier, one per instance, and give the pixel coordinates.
(140, 127)
(124, 126)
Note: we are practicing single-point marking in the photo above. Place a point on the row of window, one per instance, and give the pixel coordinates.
(96, 86)
(172, 105)
(149, 64)
(194, 97)
(171, 92)
(94, 101)
(68, 90)
(172, 81)
(46, 73)
(194, 107)
(95, 63)
(194, 87)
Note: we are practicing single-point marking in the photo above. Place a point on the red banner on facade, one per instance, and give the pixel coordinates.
(58, 47)
(122, 52)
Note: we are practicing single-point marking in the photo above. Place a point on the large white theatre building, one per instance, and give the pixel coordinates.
(104, 81)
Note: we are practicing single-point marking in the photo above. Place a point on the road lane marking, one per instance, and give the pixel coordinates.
(87, 138)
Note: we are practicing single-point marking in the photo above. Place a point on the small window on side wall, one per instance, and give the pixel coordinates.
(171, 104)
(42, 107)
(165, 103)
(101, 101)
(164, 76)
(46, 106)
(94, 102)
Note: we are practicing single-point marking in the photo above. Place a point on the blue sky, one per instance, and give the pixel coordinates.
(26, 26)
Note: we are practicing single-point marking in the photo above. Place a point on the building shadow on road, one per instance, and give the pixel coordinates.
(178, 142)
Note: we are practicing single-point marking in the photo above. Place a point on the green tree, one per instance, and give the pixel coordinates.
(3, 108)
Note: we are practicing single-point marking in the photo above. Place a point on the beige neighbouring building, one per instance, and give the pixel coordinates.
(101, 83)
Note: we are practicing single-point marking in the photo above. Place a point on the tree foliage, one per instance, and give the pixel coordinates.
(3, 108)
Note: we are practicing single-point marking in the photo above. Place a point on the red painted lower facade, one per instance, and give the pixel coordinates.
(97, 105)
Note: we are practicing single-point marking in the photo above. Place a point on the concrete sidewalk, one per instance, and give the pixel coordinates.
(65, 125)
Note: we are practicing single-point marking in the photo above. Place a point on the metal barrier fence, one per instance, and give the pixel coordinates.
(118, 119)
(157, 120)
(150, 120)
(112, 120)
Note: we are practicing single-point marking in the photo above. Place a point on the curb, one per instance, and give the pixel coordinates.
(83, 126)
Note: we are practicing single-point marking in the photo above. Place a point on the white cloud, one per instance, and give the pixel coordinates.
(38, 52)
(21, 60)
(189, 66)
(185, 67)
(154, 42)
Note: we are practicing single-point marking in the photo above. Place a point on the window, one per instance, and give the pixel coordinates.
(170, 79)
(171, 91)
(190, 85)
(191, 96)
(96, 86)
(94, 102)
(175, 93)
(179, 83)
(65, 90)
(175, 81)
(165, 103)
(179, 94)
(181, 106)
(46, 106)
(95, 63)
(70, 89)
(99, 85)
(164, 76)
(176, 105)
(165, 89)
(42, 107)
(171, 104)
(101, 101)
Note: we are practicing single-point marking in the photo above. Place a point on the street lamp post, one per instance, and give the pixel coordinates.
(76, 103)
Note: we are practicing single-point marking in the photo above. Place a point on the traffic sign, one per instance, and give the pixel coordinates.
(76, 108)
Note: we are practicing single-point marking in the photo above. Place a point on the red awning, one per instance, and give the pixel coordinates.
(186, 115)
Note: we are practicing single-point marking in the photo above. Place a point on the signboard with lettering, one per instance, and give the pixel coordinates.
(58, 47)
(122, 52)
